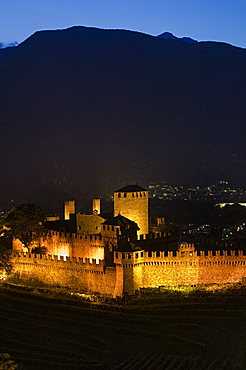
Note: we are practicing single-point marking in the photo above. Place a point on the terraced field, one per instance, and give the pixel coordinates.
(47, 333)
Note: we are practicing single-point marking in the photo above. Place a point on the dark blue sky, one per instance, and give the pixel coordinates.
(216, 20)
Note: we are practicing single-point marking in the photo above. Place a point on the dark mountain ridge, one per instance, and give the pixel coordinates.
(84, 111)
(170, 36)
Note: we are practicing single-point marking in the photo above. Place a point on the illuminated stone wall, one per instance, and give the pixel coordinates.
(143, 269)
(110, 235)
(131, 270)
(88, 224)
(69, 208)
(96, 206)
(74, 245)
(133, 205)
(68, 244)
(227, 268)
(75, 273)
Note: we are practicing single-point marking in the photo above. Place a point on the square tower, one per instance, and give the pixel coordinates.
(131, 201)
(96, 206)
(69, 208)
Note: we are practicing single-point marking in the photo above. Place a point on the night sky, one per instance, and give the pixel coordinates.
(220, 20)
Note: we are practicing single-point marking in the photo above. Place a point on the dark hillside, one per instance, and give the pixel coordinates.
(169, 331)
(83, 111)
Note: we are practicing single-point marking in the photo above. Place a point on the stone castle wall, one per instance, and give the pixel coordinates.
(161, 241)
(132, 270)
(74, 273)
(87, 224)
(69, 244)
(143, 269)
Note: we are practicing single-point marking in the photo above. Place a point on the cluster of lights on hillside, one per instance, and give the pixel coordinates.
(219, 192)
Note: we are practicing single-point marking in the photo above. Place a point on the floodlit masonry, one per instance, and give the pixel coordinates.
(117, 260)
(68, 245)
(146, 269)
(76, 273)
(131, 201)
(132, 271)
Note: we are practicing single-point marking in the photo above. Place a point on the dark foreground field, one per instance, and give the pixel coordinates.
(196, 332)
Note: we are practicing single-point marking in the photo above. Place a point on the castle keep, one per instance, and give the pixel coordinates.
(131, 201)
(115, 256)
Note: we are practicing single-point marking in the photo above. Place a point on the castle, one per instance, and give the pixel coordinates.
(121, 254)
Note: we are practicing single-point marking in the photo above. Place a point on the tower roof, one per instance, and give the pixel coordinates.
(130, 189)
(120, 221)
(127, 246)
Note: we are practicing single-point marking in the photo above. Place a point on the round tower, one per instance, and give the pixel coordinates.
(131, 201)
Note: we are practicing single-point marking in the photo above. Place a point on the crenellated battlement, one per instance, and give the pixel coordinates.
(215, 244)
(55, 260)
(159, 235)
(74, 236)
(164, 240)
(185, 267)
(133, 270)
(178, 257)
(89, 263)
(131, 201)
(82, 274)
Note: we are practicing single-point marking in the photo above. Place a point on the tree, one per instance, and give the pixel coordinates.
(5, 239)
(39, 250)
(25, 222)
(7, 363)
(5, 261)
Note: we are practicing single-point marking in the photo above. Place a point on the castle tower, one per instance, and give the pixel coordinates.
(69, 208)
(96, 206)
(131, 201)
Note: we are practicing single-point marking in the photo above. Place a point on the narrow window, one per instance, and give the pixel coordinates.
(119, 195)
(124, 195)
(141, 254)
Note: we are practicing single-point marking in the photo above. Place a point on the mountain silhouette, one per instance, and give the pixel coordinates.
(170, 36)
(85, 111)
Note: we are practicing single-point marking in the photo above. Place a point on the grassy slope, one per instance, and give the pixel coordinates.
(50, 333)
